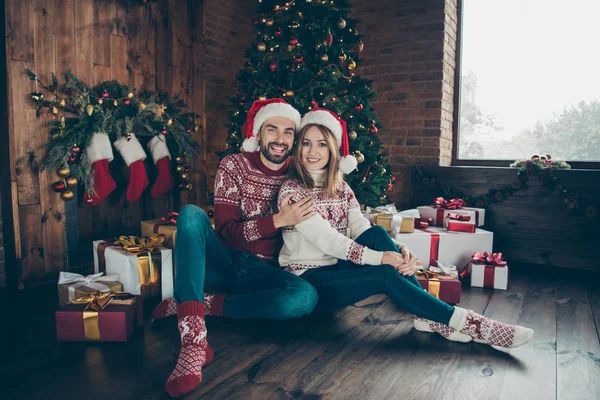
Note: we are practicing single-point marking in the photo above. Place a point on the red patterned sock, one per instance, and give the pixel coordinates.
(195, 351)
(486, 330)
(425, 325)
(213, 304)
(166, 308)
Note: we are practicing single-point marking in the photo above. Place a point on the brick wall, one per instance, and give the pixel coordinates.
(410, 55)
(228, 36)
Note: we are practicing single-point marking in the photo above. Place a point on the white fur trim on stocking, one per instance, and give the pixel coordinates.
(99, 148)
(131, 150)
(158, 148)
(323, 117)
(347, 164)
(283, 110)
(250, 145)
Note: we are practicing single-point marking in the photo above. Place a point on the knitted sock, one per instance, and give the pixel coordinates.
(99, 153)
(213, 305)
(133, 154)
(195, 351)
(486, 330)
(425, 325)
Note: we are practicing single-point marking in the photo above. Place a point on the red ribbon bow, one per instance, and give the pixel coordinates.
(490, 259)
(458, 217)
(453, 204)
(423, 222)
(171, 218)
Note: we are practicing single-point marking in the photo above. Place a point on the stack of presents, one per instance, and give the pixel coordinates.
(131, 273)
(450, 244)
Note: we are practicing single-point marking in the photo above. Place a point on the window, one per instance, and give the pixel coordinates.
(529, 80)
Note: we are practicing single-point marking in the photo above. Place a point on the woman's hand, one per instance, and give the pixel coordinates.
(392, 258)
(410, 262)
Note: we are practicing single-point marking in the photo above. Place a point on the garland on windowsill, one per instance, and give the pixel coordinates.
(540, 166)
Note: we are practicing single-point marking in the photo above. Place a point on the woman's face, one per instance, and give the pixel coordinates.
(314, 152)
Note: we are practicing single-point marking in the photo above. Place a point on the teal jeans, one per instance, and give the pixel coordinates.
(347, 283)
(255, 288)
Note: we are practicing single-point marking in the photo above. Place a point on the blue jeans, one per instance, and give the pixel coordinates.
(255, 288)
(347, 283)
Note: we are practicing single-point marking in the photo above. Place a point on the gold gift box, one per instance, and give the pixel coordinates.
(153, 226)
(385, 220)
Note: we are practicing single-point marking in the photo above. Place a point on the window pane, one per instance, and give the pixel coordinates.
(530, 79)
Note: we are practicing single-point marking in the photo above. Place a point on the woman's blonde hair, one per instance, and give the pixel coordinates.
(334, 177)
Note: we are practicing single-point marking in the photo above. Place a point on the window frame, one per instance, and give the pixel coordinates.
(456, 113)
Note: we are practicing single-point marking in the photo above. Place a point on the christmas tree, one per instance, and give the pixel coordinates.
(306, 52)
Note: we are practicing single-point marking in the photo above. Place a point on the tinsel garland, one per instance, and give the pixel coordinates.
(79, 111)
(542, 168)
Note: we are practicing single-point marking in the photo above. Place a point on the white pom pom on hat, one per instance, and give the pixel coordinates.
(261, 111)
(337, 126)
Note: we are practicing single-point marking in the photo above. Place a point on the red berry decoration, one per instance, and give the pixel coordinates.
(75, 149)
(273, 67)
(188, 169)
(299, 59)
(58, 186)
(329, 39)
(278, 32)
(105, 95)
(127, 102)
(182, 186)
(390, 187)
(164, 131)
(72, 159)
(89, 199)
(293, 41)
(358, 107)
(373, 130)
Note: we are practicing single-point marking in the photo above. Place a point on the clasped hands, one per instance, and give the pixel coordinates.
(404, 262)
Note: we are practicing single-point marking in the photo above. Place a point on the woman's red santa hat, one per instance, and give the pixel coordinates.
(261, 111)
(337, 126)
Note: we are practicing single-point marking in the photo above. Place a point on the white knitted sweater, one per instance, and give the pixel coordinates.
(327, 236)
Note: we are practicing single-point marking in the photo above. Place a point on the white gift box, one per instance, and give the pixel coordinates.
(125, 264)
(452, 248)
(497, 275)
(438, 215)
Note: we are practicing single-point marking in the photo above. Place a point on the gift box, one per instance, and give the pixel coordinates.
(72, 285)
(105, 317)
(438, 244)
(144, 266)
(161, 227)
(391, 219)
(445, 287)
(441, 208)
(456, 222)
(488, 270)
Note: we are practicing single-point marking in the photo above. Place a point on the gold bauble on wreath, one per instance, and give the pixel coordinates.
(361, 46)
(351, 65)
(359, 157)
(261, 47)
(352, 135)
(67, 195)
(179, 168)
(71, 181)
(324, 58)
(189, 186)
(343, 57)
(185, 176)
(178, 159)
(63, 172)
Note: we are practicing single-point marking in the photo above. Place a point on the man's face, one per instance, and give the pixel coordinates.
(276, 139)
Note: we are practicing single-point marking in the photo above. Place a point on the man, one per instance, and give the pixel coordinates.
(240, 257)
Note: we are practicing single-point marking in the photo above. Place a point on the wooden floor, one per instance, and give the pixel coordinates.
(366, 351)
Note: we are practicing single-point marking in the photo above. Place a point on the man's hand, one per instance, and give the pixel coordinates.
(409, 266)
(292, 214)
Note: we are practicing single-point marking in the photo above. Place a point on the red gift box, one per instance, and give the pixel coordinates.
(444, 287)
(112, 322)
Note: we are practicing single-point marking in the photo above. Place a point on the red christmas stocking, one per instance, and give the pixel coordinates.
(99, 153)
(162, 159)
(132, 152)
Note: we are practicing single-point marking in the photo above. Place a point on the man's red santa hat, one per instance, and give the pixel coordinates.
(261, 111)
(337, 126)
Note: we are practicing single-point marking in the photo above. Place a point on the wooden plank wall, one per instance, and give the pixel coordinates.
(157, 46)
(532, 227)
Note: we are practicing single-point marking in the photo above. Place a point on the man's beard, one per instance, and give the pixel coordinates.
(274, 158)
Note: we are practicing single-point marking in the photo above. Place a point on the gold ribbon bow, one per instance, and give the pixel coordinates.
(135, 245)
(97, 301)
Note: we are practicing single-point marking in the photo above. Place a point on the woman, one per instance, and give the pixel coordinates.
(347, 260)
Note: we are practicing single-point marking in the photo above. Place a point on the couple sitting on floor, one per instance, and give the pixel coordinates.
(300, 208)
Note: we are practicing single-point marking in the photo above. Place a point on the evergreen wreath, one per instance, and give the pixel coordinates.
(79, 111)
(540, 166)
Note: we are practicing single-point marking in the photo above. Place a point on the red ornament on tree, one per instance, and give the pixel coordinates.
(358, 107)
(390, 187)
(293, 42)
(273, 67)
(75, 149)
(278, 32)
(329, 39)
(373, 130)
(127, 102)
(299, 59)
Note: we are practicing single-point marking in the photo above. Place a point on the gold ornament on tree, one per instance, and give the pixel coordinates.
(361, 46)
(341, 23)
(269, 22)
(351, 65)
(352, 135)
(89, 109)
(261, 47)
(343, 57)
(324, 57)
(359, 157)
